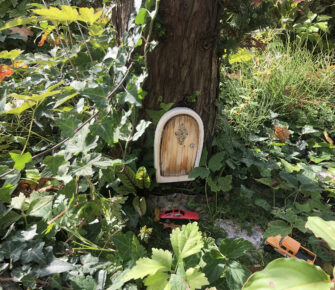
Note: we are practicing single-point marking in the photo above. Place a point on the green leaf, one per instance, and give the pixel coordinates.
(20, 160)
(83, 283)
(141, 16)
(13, 54)
(140, 128)
(53, 162)
(142, 178)
(105, 130)
(286, 273)
(67, 125)
(290, 167)
(236, 275)
(88, 15)
(56, 266)
(177, 281)
(128, 247)
(324, 156)
(195, 279)
(5, 192)
(235, 248)
(39, 206)
(19, 21)
(160, 261)
(277, 227)
(128, 178)
(66, 13)
(242, 55)
(34, 254)
(158, 281)
(201, 172)
(18, 201)
(215, 163)
(322, 229)
(307, 129)
(263, 204)
(186, 241)
(81, 142)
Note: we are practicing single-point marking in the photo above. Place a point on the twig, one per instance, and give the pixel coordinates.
(78, 128)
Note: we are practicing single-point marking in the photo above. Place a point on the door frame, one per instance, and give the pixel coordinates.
(157, 143)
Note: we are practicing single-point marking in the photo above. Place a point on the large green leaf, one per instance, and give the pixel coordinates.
(19, 21)
(12, 54)
(5, 192)
(53, 162)
(322, 229)
(128, 178)
(201, 172)
(233, 249)
(289, 273)
(88, 15)
(215, 163)
(160, 261)
(187, 241)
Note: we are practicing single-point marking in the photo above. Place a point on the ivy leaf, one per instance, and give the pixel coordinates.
(40, 206)
(34, 254)
(187, 241)
(141, 16)
(201, 172)
(215, 163)
(235, 248)
(307, 129)
(67, 125)
(53, 162)
(140, 128)
(286, 273)
(20, 160)
(105, 130)
(81, 142)
(277, 227)
(290, 167)
(160, 261)
(236, 275)
(195, 279)
(18, 201)
(83, 283)
(324, 156)
(5, 192)
(56, 266)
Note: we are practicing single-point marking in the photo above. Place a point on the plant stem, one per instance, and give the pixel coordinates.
(206, 193)
(29, 131)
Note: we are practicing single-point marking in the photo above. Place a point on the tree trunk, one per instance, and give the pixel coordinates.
(185, 62)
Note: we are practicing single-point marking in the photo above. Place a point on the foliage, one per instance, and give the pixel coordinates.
(286, 273)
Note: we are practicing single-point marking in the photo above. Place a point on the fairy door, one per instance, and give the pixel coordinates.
(178, 145)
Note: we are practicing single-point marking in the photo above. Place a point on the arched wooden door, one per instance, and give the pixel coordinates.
(178, 145)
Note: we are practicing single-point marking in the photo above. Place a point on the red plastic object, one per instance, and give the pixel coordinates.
(178, 214)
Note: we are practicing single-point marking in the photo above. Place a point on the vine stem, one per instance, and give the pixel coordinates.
(29, 131)
(78, 128)
(83, 37)
(147, 43)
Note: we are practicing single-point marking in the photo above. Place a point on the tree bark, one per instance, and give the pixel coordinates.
(185, 61)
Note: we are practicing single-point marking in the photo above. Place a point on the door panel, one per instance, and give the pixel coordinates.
(179, 145)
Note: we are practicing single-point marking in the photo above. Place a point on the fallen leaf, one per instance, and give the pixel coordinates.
(329, 140)
(23, 31)
(282, 133)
